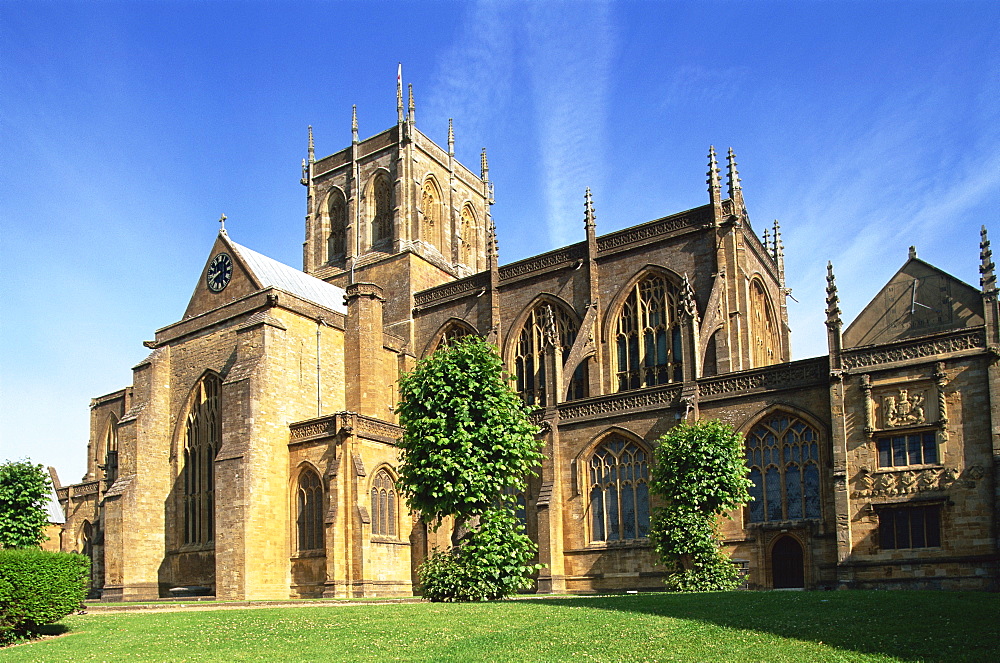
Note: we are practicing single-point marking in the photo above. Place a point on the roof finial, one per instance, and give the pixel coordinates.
(354, 123)
(832, 299)
(451, 139)
(767, 240)
(222, 224)
(713, 174)
(312, 148)
(734, 175)
(913, 252)
(987, 279)
(588, 210)
(412, 107)
(399, 92)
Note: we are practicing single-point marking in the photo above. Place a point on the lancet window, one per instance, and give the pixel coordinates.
(430, 205)
(383, 505)
(467, 254)
(336, 244)
(783, 458)
(381, 210)
(546, 321)
(111, 453)
(619, 491)
(309, 506)
(766, 346)
(202, 435)
(454, 331)
(648, 335)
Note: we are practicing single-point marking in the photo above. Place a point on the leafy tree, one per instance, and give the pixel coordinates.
(699, 475)
(24, 492)
(467, 450)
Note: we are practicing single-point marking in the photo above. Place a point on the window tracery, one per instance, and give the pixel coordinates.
(336, 245)
(531, 349)
(783, 458)
(381, 210)
(453, 331)
(111, 453)
(309, 520)
(467, 255)
(619, 491)
(431, 207)
(383, 505)
(202, 434)
(648, 335)
(766, 346)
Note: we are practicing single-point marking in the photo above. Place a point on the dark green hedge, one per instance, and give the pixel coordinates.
(38, 587)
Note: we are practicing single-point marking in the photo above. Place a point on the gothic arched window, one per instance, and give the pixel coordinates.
(783, 458)
(467, 255)
(111, 452)
(529, 354)
(453, 331)
(336, 243)
(309, 516)
(430, 205)
(383, 505)
(380, 208)
(648, 335)
(766, 347)
(202, 435)
(619, 491)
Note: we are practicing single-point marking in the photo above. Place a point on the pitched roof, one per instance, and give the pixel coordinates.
(271, 273)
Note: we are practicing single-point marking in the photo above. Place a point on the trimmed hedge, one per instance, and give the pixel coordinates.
(37, 588)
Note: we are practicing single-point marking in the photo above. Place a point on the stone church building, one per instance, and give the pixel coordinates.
(253, 454)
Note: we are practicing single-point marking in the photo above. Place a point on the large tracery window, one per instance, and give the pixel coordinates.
(309, 520)
(783, 458)
(430, 205)
(619, 491)
(381, 210)
(766, 347)
(336, 244)
(467, 255)
(202, 434)
(383, 505)
(648, 336)
(529, 357)
(454, 331)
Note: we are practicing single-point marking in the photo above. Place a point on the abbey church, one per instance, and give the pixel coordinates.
(253, 456)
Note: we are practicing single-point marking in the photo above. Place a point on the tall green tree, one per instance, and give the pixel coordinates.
(24, 492)
(468, 448)
(699, 475)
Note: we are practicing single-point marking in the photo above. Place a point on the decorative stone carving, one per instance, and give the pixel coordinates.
(648, 231)
(668, 397)
(787, 375)
(567, 255)
(905, 351)
(378, 428)
(449, 290)
(904, 408)
(909, 482)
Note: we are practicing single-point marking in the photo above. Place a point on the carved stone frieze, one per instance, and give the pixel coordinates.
(324, 427)
(787, 375)
(665, 396)
(905, 351)
(454, 289)
(649, 231)
(908, 482)
(375, 427)
(568, 255)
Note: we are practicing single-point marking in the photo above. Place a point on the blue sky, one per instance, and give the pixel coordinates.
(128, 128)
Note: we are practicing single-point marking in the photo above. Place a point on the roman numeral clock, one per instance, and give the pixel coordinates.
(220, 271)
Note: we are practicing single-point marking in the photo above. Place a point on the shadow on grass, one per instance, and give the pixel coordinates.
(925, 626)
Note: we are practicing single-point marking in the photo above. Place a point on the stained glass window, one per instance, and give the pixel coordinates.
(383, 505)
(648, 335)
(619, 491)
(309, 521)
(782, 455)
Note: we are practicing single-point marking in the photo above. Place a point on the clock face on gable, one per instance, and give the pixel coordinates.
(220, 271)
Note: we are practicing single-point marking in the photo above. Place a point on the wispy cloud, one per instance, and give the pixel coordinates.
(569, 55)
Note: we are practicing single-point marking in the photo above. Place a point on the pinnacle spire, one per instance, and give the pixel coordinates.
(312, 147)
(987, 279)
(777, 248)
(734, 175)
(399, 92)
(354, 123)
(689, 305)
(412, 108)
(767, 240)
(451, 139)
(832, 298)
(713, 172)
(588, 206)
(484, 167)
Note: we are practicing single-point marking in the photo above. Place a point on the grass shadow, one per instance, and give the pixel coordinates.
(918, 626)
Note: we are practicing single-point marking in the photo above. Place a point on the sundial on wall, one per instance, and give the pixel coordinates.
(920, 304)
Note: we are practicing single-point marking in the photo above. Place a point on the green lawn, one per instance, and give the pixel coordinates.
(738, 626)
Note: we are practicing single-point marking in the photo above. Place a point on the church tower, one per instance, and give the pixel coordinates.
(396, 210)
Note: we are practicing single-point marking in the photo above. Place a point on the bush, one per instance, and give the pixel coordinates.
(38, 588)
(493, 562)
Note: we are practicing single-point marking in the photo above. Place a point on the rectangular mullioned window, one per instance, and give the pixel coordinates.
(908, 449)
(910, 527)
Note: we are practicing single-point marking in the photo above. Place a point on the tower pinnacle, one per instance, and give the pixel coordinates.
(714, 188)
(399, 92)
(588, 207)
(987, 279)
(413, 116)
(354, 124)
(312, 147)
(451, 139)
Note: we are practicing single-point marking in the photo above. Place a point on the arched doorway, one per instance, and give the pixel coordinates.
(787, 569)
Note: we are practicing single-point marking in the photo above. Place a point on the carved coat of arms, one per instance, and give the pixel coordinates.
(903, 409)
